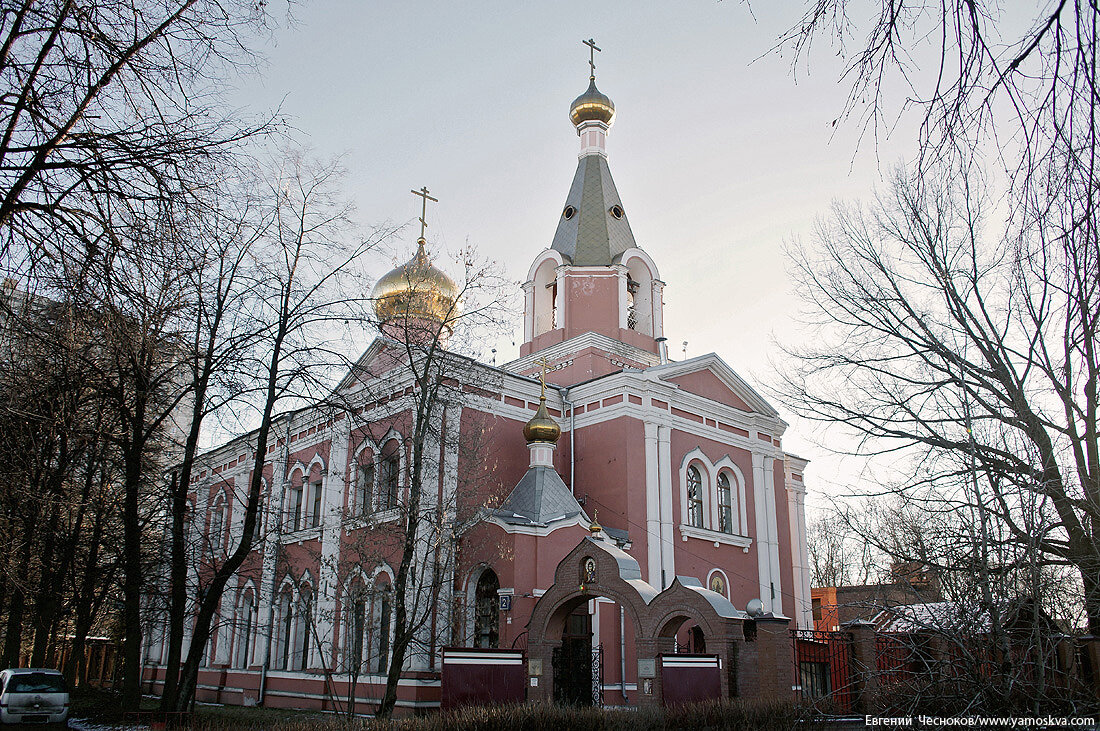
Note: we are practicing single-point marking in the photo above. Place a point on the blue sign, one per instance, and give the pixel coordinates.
(505, 602)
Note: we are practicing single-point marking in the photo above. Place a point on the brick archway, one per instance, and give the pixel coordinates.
(596, 568)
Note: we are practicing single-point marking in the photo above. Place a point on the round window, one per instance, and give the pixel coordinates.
(569, 212)
(617, 212)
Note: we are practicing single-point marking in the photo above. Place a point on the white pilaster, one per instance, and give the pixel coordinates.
(773, 535)
(652, 506)
(668, 547)
(332, 511)
(796, 507)
(763, 554)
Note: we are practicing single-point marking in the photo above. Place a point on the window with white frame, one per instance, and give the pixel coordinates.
(245, 620)
(694, 488)
(316, 490)
(217, 523)
(304, 629)
(285, 630)
(389, 477)
(725, 504)
(294, 501)
(364, 485)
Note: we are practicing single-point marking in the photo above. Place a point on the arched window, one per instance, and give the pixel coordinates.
(364, 484)
(390, 475)
(382, 610)
(695, 496)
(357, 628)
(294, 500)
(725, 504)
(286, 631)
(304, 629)
(486, 617)
(217, 523)
(316, 488)
(244, 631)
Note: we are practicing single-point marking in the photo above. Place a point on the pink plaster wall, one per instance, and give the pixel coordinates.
(708, 385)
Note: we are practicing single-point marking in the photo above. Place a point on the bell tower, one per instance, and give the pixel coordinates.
(594, 278)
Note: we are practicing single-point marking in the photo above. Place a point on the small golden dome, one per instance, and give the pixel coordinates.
(415, 290)
(592, 105)
(542, 427)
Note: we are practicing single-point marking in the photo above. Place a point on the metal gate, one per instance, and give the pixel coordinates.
(578, 674)
(823, 669)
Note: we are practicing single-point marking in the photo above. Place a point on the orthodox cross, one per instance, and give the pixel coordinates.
(592, 48)
(423, 193)
(542, 374)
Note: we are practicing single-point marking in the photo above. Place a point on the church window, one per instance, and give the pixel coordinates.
(382, 612)
(315, 513)
(617, 212)
(294, 508)
(390, 475)
(569, 212)
(486, 619)
(695, 496)
(357, 627)
(244, 631)
(725, 503)
(217, 523)
(364, 486)
(286, 630)
(305, 629)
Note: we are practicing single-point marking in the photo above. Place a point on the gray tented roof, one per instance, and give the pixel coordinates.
(540, 497)
(593, 235)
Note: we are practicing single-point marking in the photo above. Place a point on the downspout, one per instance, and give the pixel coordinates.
(274, 572)
(563, 393)
(622, 653)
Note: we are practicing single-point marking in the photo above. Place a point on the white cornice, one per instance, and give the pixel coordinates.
(580, 342)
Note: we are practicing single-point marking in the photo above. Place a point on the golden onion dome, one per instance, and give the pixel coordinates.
(415, 290)
(592, 105)
(542, 427)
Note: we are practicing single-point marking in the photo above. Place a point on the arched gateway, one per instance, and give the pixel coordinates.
(597, 568)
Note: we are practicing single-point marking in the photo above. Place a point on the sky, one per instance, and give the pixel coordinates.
(724, 151)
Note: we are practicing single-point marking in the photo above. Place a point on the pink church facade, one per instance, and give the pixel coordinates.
(680, 463)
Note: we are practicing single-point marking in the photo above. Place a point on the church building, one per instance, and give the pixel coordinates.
(674, 470)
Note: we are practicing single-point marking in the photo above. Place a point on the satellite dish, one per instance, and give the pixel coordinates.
(754, 608)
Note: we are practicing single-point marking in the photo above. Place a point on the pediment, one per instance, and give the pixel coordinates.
(710, 377)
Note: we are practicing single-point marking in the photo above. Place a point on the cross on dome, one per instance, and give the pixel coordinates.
(592, 48)
(423, 193)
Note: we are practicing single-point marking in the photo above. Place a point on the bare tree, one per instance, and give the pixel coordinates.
(307, 264)
(972, 359)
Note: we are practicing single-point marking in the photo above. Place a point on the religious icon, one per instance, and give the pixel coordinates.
(717, 584)
(589, 570)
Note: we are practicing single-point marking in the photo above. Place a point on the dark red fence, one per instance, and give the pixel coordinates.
(478, 676)
(690, 678)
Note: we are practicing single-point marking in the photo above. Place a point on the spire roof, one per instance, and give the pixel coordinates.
(593, 230)
(540, 497)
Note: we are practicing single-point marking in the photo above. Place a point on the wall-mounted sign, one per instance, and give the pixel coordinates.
(505, 602)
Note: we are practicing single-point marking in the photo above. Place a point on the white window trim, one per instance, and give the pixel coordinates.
(737, 494)
(716, 537)
(707, 473)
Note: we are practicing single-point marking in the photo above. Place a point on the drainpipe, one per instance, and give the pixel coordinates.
(563, 394)
(622, 653)
(662, 348)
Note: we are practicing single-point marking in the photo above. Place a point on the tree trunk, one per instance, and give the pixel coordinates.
(132, 574)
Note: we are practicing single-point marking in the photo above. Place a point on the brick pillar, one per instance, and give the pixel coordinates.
(540, 672)
(775, 671)
(864, 663)
(645, 649)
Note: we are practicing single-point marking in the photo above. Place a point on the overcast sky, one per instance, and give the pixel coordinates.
(722, 152)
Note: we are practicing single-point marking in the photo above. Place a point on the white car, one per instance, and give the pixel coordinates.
(33, 695)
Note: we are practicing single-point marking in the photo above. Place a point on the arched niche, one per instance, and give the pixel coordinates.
(640, 296)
